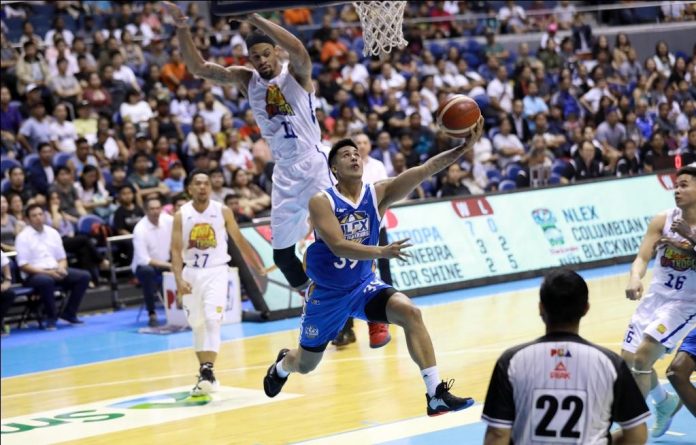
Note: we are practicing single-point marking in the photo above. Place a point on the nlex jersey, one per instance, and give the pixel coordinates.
(284, 111)
(341, 287)
(562, 389)
(667, 311)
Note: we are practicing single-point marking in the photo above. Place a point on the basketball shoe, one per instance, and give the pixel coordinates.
(664, 411)
(443, 401)
(379, 334)
(273, 383)
(207, 383)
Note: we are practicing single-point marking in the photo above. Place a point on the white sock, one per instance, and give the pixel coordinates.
(282, 373)
(658, 393)
(431, 377)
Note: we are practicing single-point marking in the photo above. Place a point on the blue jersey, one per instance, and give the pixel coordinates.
(360, 224)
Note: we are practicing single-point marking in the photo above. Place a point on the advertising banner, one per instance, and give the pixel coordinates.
(175, 313)
(480, 237)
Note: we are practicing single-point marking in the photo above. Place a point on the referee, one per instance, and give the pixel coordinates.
(561, 388)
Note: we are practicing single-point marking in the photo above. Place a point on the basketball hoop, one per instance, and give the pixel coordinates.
(382, 26)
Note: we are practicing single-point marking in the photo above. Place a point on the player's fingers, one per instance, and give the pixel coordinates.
(402, 241)
(406, 246)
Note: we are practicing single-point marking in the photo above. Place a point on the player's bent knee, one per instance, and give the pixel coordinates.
(306, 367)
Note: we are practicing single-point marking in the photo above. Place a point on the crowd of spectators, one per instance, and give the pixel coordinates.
(99, 110)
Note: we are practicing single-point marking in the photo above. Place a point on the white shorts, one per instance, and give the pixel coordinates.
(208, 298)
(667, 320)
(293, 186)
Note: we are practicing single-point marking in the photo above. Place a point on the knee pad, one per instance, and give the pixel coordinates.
(290, 266)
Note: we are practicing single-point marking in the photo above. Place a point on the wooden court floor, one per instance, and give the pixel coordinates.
(352, 388)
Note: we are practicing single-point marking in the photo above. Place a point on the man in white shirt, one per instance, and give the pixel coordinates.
(123, 72)
(151, 245)
(391, 79)
(355, 72)
(500, 91)
(41, 256)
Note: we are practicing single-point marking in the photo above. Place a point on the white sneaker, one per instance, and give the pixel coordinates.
(207, 383)
(664, 411)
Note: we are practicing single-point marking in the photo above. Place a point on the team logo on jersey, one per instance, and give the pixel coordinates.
(560, 352)
(547, 221)
(678, 260)
(311, 331)
(355, 226)
(276, 103)
(202, 237)
(560, 372)
(661, 329)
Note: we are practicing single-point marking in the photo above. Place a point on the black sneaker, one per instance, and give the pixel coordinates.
(273, 383)
(443, 401)
(207, 383)
(71, 319)
(345, 337)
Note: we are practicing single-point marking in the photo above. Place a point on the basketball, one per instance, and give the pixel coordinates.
(458, 115)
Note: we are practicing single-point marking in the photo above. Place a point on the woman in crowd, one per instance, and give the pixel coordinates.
(9, 225)
(93, 194)
(252, 199)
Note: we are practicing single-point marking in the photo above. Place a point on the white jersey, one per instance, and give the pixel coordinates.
(674, 274)
(284, 112)
(205, 236)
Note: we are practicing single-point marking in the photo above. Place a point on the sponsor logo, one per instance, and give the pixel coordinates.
(311, 331)
(355, 226)
(560, 372)
(545, 219)
(560, 352)
(202, 237)
(218, 309)
(276, 104)
(678, 260)
(661, 329)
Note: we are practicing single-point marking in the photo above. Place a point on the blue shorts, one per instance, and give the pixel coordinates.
(327, 310)
(689, 344)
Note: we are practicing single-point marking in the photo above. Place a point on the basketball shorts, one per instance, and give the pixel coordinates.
(208, 298)
(689, 344)
(667, 320)
(327, 310)
(293, 186)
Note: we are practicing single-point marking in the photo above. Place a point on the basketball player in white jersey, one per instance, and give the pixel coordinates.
(667, 312)
(282, 100)
(560, 388)
(199, 262)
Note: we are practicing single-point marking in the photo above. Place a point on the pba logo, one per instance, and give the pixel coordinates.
(560, 372)
(560, 352)
(276, 103)
(202, 237)
(547, 221)
(355, 226)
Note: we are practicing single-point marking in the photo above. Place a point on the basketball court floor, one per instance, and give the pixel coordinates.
(106, 384)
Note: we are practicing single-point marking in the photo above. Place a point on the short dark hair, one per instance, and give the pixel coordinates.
(257, 37)
(126, 186)
(232, 195)
(16, 167)
(687, 170)
(31, 207)
(150, 198)
(61, 168)
(337, 146)
(179, 197)
(216, 170)
(42, 145)
(194, 172)
(564, 295)
(140, 155)
(81, 140)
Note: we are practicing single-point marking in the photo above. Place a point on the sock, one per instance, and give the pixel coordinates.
(282, 373)
(658, 393)
(431, 377)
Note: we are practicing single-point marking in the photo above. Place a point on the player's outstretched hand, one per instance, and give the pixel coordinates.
(474, 136)
(395, 250)
(681, 227)
(182, 288)
(634, 290)
(173, 10)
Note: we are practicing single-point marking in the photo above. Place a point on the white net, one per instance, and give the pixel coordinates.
(382, 26)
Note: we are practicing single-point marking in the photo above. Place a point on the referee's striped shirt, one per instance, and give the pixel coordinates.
(562, 389)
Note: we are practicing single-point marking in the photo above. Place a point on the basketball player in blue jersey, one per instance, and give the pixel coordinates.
(667, 312)
(341, 265)
(680, 370)
(282, 100)
(200, 233)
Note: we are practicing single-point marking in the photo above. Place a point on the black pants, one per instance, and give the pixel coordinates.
(6, 299)
(76, 282)
(81, 247)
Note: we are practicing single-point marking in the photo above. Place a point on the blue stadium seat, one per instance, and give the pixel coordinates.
(106, 174)
(358, 45)
(437, 50)
(4, 185)
(6, 164)
(511, 171)
(84, 224)
(61, 159)
(30, 159)
(507, 185)
(554, 179)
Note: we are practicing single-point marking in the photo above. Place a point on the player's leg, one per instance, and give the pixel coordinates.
(385, 304)
(291, 267)
(648, 352)
(679, 375)
(379, 332)
(322, 318)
